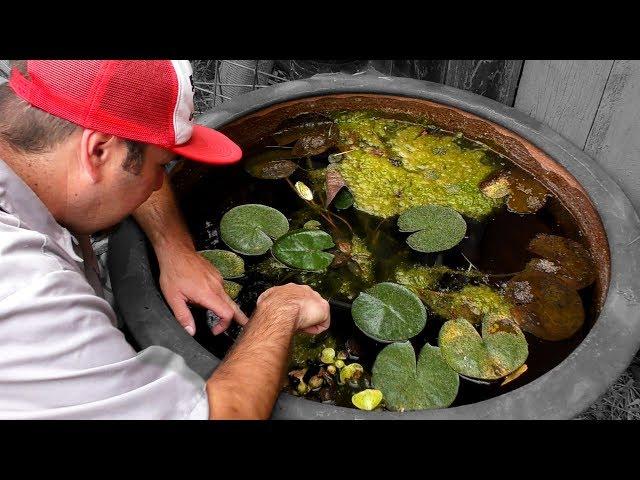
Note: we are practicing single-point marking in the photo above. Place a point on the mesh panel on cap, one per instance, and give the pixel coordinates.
(67, 79)
(143, 94)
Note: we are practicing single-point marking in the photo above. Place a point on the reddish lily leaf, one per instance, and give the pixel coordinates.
(544, 305)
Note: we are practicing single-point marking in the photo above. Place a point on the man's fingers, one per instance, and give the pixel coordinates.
(218, 305)
(182, 313)
(238, 314)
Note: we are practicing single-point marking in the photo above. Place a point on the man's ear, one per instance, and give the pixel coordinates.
(96, 149)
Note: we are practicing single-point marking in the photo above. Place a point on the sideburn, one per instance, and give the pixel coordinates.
(133, 162)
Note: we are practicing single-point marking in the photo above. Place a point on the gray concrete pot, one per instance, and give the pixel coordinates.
(601, 209)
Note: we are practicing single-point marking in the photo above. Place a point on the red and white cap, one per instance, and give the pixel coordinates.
(149, 101)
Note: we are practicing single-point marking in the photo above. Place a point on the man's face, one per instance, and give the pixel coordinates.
(119, 192)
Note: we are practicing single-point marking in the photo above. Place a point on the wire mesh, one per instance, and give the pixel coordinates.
(218, 80)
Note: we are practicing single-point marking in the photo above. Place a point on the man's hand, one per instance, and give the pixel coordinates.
(310, 310)
(247, 382)
(186, 277)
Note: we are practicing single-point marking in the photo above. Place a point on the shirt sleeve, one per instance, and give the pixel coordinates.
(62, 358)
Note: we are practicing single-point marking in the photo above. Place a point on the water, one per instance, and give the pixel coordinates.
(496, 246)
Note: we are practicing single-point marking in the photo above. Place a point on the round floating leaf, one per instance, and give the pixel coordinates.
(527, 194)
(389, 312)
(430, 383)
(437, 227)
(303, 249)
(573, 261)
(316, 142)
(231, 288)
(343, 200)
(312, 225)
(502, 349)
(303, 191)
(367, 399)
(271, 164)
(545, 306)
(249, 229)
(227, 263)
(293, 129)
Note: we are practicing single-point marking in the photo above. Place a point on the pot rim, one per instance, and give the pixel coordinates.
(562, 392)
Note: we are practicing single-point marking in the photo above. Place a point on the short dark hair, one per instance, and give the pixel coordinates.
(29, 130)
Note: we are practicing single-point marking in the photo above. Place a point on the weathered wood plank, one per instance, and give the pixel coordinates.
(431, 70)
(564, 94)
(614, 139)
(496, 79)
(5, 68)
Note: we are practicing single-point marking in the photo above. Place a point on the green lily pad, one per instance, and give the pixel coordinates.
(271, 164)
(249, 229)
(389, 312)
(312, 225)
(431, 383)
(229, 264)
(471, 302)
(231, 288)
(437, 227)
(303, 249)
(367, 399)
(502, 349)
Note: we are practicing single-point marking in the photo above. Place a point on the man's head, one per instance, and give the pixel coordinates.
(93, 136)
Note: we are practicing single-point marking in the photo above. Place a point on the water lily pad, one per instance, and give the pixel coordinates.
(271, 164)
(250, 229)
(471, 302)
(389, 312)
(544, 305)
(231, 288)
(573, 261)
(303, 249)
(431, 383)
(312, 225)
(500, 350)
(293, 129)
(229, 264)
(437, 227)
(527, 194)
(303, 191)
(317, 141)
(367, 399)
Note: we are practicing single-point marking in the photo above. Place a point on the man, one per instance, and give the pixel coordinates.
(82, 145)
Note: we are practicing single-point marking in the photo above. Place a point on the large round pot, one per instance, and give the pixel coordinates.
(598, 205)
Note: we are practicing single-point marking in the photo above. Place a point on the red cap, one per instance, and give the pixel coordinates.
(149, 101)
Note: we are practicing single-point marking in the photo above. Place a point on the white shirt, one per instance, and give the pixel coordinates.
(61, 357)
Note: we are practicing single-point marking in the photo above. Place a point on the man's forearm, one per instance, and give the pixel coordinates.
(247, 382)
(162, 222)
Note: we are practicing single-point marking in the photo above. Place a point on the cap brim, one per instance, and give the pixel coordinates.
(209, 146)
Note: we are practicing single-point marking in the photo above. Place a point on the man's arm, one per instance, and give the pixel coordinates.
(247, 382)
(185, 277)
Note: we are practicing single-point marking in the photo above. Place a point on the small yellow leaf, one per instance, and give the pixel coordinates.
(304, 191)
(367, 399)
